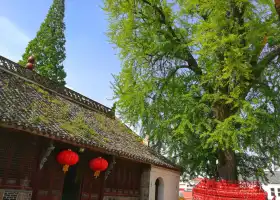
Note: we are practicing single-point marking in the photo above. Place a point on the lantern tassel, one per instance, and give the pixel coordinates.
(65, 168)
(96, 174)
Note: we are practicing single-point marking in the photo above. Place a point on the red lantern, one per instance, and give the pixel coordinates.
(67, 158)
(98, 165)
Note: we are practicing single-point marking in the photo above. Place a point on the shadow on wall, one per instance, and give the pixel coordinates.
(159, 186)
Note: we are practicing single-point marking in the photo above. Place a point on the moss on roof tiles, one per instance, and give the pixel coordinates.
(32, 105)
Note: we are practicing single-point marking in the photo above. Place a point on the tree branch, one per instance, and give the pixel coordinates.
(277, 6)
(187, 56)
(257, 71)
(258, 51)
(265, 61)
(172, 73)
(192, 64)
(262, 45)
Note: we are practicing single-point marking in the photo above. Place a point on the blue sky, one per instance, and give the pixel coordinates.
(90, 60)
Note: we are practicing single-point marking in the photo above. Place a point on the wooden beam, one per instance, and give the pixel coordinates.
(74, 143)
(36, 176)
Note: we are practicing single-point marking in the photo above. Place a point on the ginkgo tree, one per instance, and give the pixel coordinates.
(202, 79)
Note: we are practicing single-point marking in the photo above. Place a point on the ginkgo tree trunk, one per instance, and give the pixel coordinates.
(277, 6)
(202, 77)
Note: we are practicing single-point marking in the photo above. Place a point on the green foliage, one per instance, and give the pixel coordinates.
(201, 77)
(48, 46)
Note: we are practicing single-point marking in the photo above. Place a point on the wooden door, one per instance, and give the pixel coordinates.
(51, 180)
(91, 186)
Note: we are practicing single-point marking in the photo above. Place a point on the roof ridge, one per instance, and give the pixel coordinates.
(150, 149)
(153, 151)
(16, 69)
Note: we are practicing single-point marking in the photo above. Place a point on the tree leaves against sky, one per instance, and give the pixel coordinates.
(48, 47)
(201, 77)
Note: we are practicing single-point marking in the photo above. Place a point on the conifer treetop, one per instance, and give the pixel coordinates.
(48, 47)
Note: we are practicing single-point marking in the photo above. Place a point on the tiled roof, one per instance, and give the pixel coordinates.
(273, 179)
(35, 104)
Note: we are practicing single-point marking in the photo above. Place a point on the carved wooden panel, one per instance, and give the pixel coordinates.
(91, 187)
(124, 179)
(51, 180)
(15, 194)
(18, 158)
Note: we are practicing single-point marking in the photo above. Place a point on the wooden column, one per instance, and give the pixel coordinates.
(8, 164)
(36, 177)
(102, 185)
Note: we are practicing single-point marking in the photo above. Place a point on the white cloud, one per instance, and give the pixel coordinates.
(13, 40)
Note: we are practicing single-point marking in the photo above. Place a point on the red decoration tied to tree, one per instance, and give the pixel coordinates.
(211, 189)
(98, 165)
(67, 158)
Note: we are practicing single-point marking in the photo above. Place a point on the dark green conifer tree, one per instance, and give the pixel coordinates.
(48, 46)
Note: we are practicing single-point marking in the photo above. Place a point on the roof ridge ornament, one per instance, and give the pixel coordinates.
(30, 63)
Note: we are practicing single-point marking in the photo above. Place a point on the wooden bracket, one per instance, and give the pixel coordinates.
(110, 168)
(47, 154)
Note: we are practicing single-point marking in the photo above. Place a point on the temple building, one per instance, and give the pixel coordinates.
(56, 144)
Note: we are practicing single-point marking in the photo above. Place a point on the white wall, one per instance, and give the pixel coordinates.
(189, 185)
(170, 180)
(267, 189)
